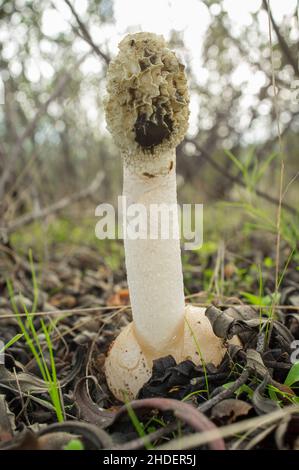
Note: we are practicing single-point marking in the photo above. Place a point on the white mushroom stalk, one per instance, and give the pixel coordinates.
(147, 114)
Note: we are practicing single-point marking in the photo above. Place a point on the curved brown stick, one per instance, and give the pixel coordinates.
(185, 412)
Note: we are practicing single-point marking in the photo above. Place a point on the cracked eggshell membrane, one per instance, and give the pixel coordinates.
(147, 102)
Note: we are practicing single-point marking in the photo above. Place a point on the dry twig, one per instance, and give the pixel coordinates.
(56, 207)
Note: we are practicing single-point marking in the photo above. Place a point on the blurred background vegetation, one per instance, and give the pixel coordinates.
(53, 142)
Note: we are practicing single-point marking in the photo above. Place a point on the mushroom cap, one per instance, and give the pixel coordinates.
(147, 97)
(128, 367)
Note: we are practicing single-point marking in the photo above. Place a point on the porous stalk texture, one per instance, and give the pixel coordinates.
(154, 267)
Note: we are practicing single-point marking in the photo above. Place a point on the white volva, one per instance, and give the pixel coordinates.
(147, 114)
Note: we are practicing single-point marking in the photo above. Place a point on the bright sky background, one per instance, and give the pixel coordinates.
(161, 16)
(192, 17)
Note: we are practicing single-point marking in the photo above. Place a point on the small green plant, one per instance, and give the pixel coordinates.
(269, 262)
(153, 424)
(139, 427)
(74, 444)
(293, 376)
(11, 342)
(251, 169)
(193, 394)
(33, 341)
(251, 172)
(242, 389)
(260, 301)
(275, 394)
(276, 296)
(200, 356)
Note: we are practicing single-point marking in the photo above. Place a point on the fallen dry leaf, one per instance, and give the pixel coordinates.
(119, 298)
(229, 410)
(63, 301)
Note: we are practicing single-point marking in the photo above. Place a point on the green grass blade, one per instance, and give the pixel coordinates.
(11, 342)
(138, 426)
(200, 356)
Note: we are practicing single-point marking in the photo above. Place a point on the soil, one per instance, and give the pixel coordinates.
(84, 304)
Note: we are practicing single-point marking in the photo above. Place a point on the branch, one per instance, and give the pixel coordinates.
(29, 130)
(235, 179)
(282, 42)
(56, 207)
(85, 33)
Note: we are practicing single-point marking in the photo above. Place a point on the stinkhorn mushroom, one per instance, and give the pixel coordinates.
(147, 115)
